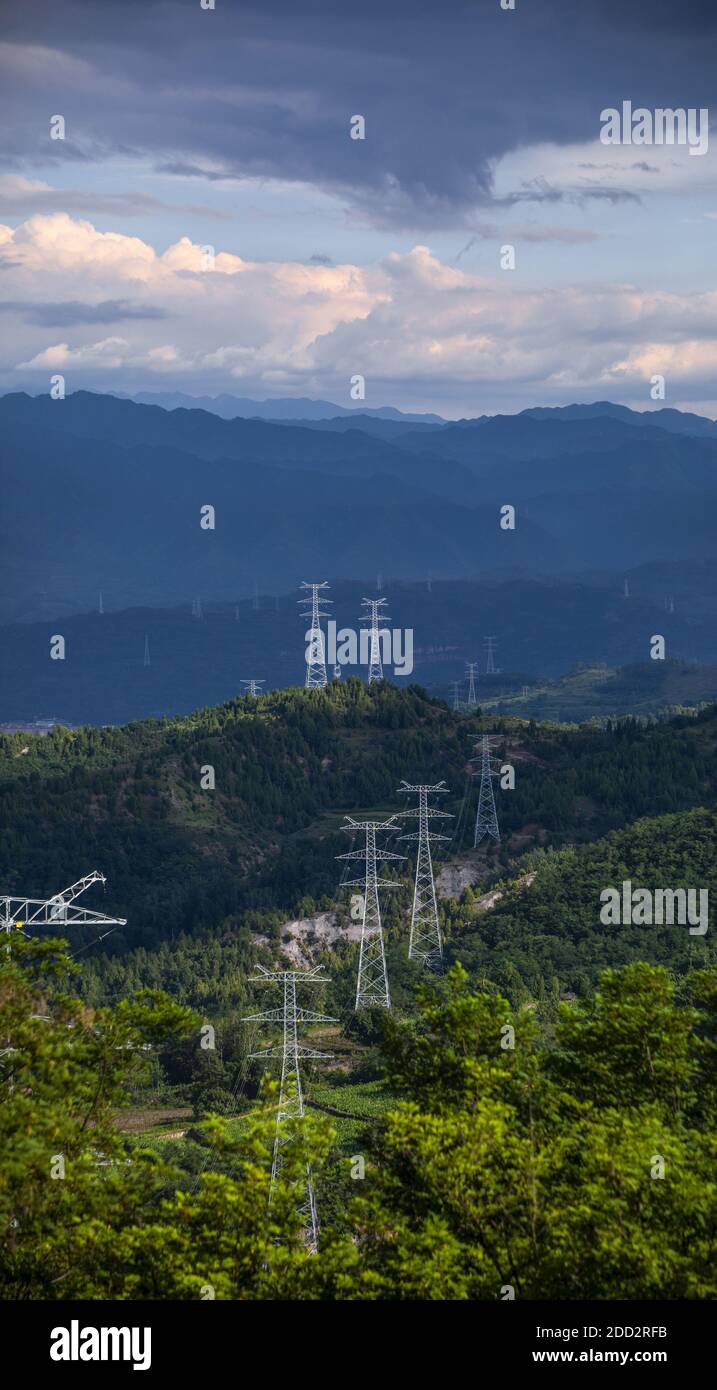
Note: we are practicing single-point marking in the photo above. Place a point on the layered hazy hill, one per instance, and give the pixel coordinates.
(106, 494)
(544, 630)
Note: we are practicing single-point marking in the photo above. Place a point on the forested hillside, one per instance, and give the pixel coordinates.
(186, 863)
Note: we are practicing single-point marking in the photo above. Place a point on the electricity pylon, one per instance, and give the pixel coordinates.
(147, 661)
(372, 981)
(472, 672)
(254, 688)
(291, 1096)
(375, 613)
(101, 607)
(425, 941)
(197, 608)
(490, 667)
(457, 701)
(315, 653)
(18, 913)
(486, 815)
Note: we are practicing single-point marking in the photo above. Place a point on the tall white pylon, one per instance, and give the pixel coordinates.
(486, 815)
(253, 688)
(425, 941)
(472, 672)
(490, 666)
(101, 607)
(372, 982)
(291, 1096)
(18, 913)
(373, 616)
(315, 652)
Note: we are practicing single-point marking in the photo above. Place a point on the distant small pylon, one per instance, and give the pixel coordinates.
(626, 590)
(669, 604)
(490, 666)
(146, 651)
(197, 608)
(101, 608)
(253, 688)
(472, 672)
(486, 816)
(456, 687)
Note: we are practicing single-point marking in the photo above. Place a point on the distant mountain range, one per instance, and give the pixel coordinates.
(280, 408)
(105, 494)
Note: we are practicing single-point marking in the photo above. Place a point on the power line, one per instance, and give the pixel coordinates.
(425, 940)
(486, 815)
(372, 982)
(373, 616)
(291, 1097)
(315, 652)
(472, 674)
(18, 913)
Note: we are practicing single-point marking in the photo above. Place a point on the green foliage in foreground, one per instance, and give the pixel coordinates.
(583, 1170)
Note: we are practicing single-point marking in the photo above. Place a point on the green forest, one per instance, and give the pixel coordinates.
(536, 1120)
(507, 1164)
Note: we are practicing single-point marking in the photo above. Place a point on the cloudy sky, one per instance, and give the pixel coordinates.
(229, 129)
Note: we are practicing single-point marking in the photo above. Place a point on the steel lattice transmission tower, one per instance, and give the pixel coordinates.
(18, 913)
(315, 654)
(486, 816)
(457, 701)
(372, 983)
(254, 688)
(472, 674)
(373, 616)
(291, 1095)
(490, 666)
(425, 941)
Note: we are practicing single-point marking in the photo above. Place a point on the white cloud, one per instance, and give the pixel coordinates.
(415, 327)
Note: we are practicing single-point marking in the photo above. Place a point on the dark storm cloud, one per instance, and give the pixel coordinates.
(72, 311)
(268, 90)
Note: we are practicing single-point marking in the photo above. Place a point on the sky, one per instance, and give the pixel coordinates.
(207, 223)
